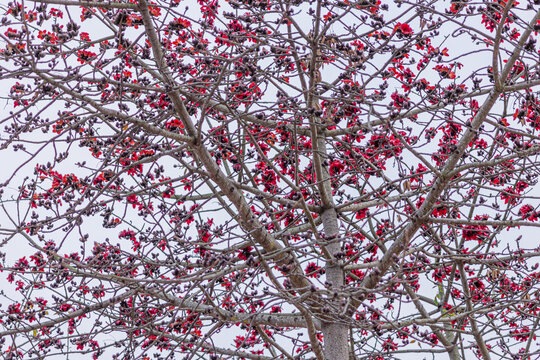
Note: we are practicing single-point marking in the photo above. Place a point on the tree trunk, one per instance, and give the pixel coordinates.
(335, 332)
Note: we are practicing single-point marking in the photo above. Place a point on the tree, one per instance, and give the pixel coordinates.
(328, 179)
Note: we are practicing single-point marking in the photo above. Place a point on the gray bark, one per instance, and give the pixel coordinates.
(335, 332)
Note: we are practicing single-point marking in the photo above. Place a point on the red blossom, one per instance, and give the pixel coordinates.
(404, 29)
(445, 72)
(528, 212)
(313, 270)
(476, 232)
(85, 56)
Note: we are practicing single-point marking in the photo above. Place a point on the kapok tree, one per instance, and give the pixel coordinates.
(253, 179)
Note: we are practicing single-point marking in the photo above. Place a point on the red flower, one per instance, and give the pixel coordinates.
(336, 167)
(476, 232)
(127, 234)
(527, 212)
(445, 72)
(64, 307)
(328, 16)
(362, 214)
(56, 13)
(313, 270)
(389, 345)
(440, 210)
(404, 29)
(85, 56)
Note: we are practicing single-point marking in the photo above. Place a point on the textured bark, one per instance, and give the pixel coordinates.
(336, 332)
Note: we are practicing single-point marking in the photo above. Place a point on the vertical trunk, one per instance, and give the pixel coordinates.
(335, 341)
(454, 353)
(335, 332)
